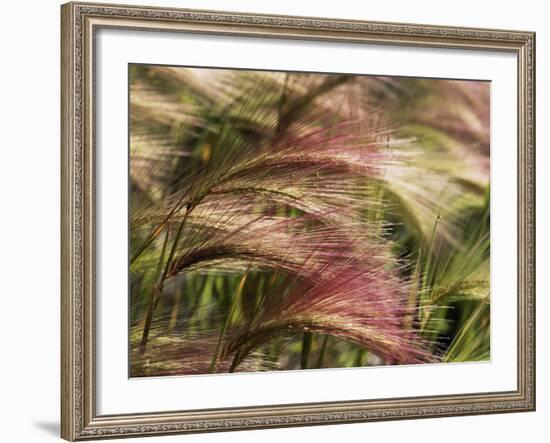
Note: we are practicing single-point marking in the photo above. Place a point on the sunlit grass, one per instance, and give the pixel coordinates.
(299, 221)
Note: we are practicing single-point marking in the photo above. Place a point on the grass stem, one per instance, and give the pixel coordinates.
(307, 339)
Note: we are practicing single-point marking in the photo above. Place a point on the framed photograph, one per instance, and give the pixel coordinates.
(277, 221)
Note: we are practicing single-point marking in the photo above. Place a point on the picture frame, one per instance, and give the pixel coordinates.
(81, 23)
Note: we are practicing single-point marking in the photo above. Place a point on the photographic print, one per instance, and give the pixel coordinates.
(289, 220)
(341, 232)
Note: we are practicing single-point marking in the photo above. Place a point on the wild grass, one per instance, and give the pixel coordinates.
(284, 221)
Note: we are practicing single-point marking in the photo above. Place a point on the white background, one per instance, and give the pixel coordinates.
(117, 394)
(29, 220)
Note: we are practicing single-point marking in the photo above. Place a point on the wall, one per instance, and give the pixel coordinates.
(29, 220)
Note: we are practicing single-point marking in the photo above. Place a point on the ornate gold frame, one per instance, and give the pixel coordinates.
(80, 21)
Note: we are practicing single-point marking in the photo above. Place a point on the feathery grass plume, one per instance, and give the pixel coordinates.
(251, 106)
(237, 241)
(447, 157)
(254, 97)
(187, 355)
(293, 245)
(317, 173)
(363, 302)
(325, 171)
